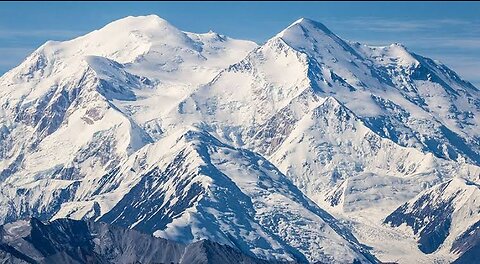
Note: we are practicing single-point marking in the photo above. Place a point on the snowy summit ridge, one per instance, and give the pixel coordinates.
(307, 148)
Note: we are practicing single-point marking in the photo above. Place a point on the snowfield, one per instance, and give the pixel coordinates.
(307, 148)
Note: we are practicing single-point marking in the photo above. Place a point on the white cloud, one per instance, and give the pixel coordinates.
(388, 25)
(38, 33)
(13, 56)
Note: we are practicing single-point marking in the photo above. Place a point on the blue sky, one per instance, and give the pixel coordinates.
(446, 31)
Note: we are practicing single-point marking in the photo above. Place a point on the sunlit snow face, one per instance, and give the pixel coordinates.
(199, 136)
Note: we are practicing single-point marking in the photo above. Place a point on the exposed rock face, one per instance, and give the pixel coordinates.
(72, 241)
(445, 218)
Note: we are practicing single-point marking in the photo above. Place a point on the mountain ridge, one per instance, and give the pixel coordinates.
(163, 125)
(73, 241)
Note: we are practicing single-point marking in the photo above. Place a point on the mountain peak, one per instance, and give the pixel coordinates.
(312, 37)
(305, 29)
(302, 20)
(229, 140)
(148, 19)
(139, 23)
(126, 39)
(307, 25)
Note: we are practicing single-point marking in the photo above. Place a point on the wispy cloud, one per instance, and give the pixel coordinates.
(462, 43)
(38, 33)
(452, 42)
(12, 56)
(468, 67)
(431, 33)
(389, 25)
(16, 44)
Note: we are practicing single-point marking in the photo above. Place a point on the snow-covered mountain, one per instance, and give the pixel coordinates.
(305, 148)
(445, 218)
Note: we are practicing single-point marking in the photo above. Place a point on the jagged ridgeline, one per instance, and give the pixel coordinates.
(73, 241)
(306, 148)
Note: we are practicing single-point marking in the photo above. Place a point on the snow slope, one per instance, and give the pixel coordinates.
(444, 218)
(296, 149)
(201, 188)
